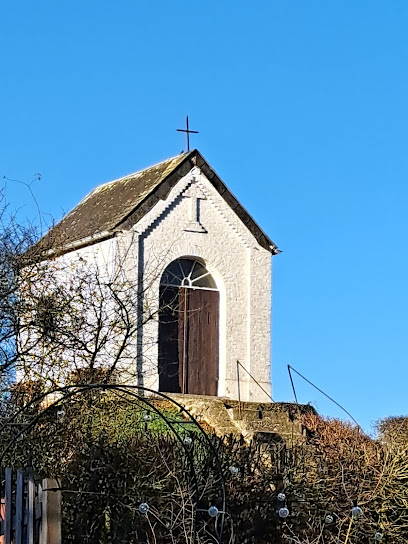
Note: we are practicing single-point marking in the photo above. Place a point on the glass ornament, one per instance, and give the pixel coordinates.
(281, 497)
(329, 519)
(187, 440)
(283, 512)
(378, 536)
(147, 416)
(356, 512)
(143, 508)
(60, 414)
(234, 470)
(213, 511)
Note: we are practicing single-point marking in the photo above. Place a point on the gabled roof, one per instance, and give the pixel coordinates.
(109, 207)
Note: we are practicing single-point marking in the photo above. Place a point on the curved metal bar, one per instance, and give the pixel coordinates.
(31, 424)
(204, 434)
(67, 393)
(187, 451)
(80, 391)
(210, 444)
(36, 399)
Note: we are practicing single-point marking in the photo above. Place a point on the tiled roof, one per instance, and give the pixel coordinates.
(108, 207)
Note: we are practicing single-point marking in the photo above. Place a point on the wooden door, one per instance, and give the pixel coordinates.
(191, 338)
(169, 375)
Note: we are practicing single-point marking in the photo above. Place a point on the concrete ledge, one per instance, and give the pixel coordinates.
(252, 420)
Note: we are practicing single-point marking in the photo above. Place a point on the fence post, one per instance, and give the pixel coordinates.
(8, 505)
(50, 497)
(31, 499)
(19, 507)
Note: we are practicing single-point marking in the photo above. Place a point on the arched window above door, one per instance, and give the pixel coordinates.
(188, 273)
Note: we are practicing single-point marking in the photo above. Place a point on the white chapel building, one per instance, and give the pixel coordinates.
(206, 265)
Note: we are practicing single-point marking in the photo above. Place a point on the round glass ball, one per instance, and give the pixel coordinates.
(187, 440)
(356, 512)
(283, 512)
(147, 416)
(143, 508)
(213, 511)
(378, 536)
(234, 470)
(281, 497)
(329, 519)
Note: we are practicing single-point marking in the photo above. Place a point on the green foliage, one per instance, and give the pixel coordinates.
(109, 459)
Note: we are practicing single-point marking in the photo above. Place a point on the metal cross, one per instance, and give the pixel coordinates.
(188, 132)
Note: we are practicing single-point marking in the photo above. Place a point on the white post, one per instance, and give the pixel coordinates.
(50, 498)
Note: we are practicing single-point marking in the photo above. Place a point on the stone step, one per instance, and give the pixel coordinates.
(249, 419)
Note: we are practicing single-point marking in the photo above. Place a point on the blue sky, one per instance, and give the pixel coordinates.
(302, 110)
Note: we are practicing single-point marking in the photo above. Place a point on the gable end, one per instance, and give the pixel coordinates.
(161, 192)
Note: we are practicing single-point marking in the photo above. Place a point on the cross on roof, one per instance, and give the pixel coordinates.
(188, 132)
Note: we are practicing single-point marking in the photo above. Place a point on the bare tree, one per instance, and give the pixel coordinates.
(64, 313)
(16, 239)
(82, 311)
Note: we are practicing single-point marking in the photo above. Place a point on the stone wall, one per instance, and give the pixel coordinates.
(253, 420)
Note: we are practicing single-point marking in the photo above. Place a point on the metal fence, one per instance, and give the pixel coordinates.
(30, 513)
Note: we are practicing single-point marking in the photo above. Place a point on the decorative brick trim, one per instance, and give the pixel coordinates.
(193, 177)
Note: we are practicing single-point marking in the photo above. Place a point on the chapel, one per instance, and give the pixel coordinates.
(206, 266)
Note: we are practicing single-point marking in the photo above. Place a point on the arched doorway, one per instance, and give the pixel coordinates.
(188, 329)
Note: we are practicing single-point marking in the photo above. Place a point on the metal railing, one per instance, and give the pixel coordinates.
(239, 364)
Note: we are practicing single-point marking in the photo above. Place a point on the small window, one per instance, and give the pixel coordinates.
(47, 316)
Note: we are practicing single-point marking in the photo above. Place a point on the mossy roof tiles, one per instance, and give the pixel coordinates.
(118, 204)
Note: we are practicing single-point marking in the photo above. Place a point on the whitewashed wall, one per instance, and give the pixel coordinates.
(212, 233)
(240, 267)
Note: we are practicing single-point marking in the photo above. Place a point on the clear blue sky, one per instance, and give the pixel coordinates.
(302, 110)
